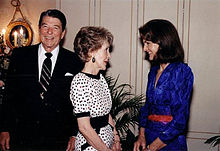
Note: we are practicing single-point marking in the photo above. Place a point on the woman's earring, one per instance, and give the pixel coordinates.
(93, 59)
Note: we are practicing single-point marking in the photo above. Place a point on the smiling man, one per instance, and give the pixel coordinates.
(37, 113)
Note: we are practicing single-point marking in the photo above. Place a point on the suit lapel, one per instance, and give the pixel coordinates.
(58, 69)
(31, 60)
(34, 66)
(36, 60)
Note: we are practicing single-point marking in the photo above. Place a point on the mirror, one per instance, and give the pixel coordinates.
(18, 34)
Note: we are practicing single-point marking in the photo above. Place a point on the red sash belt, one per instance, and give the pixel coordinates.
(160, 118)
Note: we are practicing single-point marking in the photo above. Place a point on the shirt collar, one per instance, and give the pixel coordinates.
(54, 52)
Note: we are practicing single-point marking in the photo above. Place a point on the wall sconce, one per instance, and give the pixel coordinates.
(18, 33)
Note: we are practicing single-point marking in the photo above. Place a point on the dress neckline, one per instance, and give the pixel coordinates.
(162, 73)
(92, 75)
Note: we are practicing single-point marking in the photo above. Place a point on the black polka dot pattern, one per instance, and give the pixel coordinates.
(91, 95)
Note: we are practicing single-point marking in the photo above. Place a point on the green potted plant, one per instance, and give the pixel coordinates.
(125, 110)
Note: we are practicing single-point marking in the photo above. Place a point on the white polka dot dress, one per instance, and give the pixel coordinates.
(91, 97)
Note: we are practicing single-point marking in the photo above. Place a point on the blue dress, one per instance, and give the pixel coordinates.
(170, 97)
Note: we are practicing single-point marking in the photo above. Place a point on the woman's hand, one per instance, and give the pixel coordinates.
(141, 142)
(156, 145)
(117, 145)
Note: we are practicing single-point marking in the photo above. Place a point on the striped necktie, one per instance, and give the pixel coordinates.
(45, 74)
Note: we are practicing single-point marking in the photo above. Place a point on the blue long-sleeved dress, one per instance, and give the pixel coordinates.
(170, 97)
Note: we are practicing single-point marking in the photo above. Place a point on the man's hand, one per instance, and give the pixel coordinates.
(1, 83)
(71, 144)
(4, 141)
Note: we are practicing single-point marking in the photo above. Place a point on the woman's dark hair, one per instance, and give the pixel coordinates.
(166, 36)
(90, 38)
(53, 13)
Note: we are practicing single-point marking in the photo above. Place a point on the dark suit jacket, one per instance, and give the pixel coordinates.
(25, 115)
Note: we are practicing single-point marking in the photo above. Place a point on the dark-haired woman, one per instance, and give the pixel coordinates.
(90, 94)
(163, 118)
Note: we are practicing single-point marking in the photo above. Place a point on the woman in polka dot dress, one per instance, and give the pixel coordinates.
(90, 94)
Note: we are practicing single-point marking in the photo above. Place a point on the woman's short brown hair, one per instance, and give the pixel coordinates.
(90, 38)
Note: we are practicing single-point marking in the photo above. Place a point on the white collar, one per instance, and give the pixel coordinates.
(54, 52)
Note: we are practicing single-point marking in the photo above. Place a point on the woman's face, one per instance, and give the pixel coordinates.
(102, 56)
(151, 48)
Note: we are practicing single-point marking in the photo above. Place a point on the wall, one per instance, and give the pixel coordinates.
(197, 22)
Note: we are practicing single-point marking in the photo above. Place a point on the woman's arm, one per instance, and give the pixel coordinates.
(90, 134)
(111, 122)
(116, 145)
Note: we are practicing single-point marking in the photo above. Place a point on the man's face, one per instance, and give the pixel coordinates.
(51, 32)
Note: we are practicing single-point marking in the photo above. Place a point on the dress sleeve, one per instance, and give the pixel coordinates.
(181, 86)
(79, 96)
(143, 115)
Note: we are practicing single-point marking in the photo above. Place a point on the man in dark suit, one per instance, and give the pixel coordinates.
(37, 116)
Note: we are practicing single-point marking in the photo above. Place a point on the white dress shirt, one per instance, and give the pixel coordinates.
(42, 57)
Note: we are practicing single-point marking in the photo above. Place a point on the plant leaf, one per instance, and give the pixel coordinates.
(213, 141)
(125, 106)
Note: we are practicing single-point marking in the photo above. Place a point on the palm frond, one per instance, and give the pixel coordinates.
(213, 141)
(127, 142)
(125, 106)
(131, 105)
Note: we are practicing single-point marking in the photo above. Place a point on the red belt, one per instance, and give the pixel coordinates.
(160, 118)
